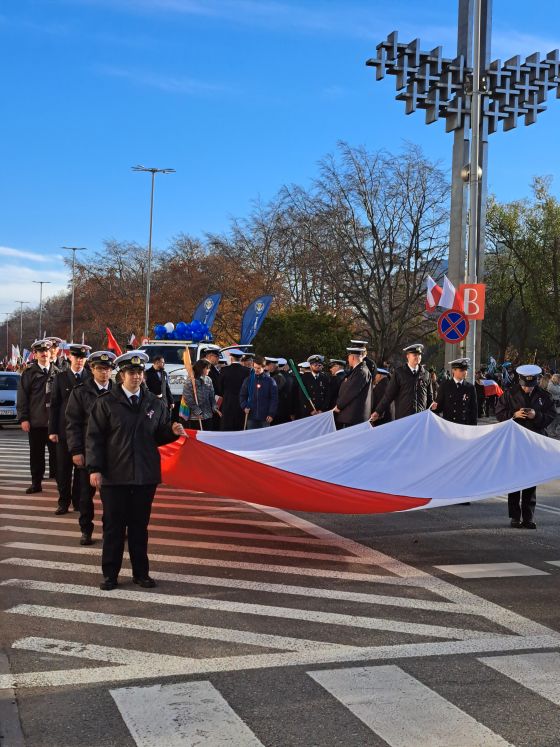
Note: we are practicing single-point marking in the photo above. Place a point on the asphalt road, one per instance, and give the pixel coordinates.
(277, 629)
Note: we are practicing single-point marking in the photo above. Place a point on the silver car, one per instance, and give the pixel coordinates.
(9, 381)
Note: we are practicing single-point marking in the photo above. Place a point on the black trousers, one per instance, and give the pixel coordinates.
(85, 499)
(38, 440)
(126, 510)
(68, 490)
(528, 500)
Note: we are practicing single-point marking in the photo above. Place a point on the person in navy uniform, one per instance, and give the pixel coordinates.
(80, 404)
(231, 379)
(212, 354)
(456, 397)
(157, 381)
(380, 384)
(337, 370)
(63, 383)
(370, 363)
(33, 401)
(410, 387)
(318, 385)
(124, 430)
(353, 404)
(532, 408)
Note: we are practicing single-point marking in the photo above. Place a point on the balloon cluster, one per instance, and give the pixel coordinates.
(195, 331)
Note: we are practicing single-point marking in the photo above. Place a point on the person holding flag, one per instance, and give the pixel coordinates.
(259, 396)
(199, 396)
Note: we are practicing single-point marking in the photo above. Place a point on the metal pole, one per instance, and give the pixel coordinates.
(7, 315)
(21, 325)
(474, 178)
(149, 271)
(73, 249)
(40, 284)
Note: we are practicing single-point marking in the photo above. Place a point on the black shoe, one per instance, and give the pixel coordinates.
(145, 583)
(86, 539)
(108, 584)
(528, 525)
(34, 489)
(61, 510)
(515, 523)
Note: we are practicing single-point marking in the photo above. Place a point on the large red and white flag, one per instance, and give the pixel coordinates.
(433, 294)
(491, 388)
(450, 299)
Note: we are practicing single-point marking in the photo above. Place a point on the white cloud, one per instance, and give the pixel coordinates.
(16, 284)
(167, 83)
(8, 251)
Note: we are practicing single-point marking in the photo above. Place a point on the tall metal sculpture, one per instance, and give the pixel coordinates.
(472, 95)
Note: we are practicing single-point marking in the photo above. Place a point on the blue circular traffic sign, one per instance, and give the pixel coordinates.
(453, 327)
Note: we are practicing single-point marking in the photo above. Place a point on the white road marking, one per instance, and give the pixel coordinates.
(380, 696)
(161, 666)
(168, 627)
(230, 564)
(261, 610)
(283, 538)
(491, 570)
(79, 650)
(231, 583)
(189, 714)
(537, 672)
(222, 547)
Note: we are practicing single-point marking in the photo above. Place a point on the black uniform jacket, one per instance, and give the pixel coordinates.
(335, 382)
(354, 396)
(514, 399)
(214, 374)
(157, 386)
(62, 386)
(319, 391)
(377, 394)
(122, 441)
(34, 393)
(410, 392)
(231, 378)
(80, 404)
(457, 402)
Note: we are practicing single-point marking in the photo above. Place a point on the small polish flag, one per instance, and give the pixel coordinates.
(133, 341)
(449, 297)
(433, 294)
(491, 388)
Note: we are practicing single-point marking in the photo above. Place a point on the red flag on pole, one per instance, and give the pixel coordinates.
(112, 344)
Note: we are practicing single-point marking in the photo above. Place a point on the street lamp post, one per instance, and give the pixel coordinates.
(7, 315)
(41, 283)
(21, 325)
(73, 249)
(153, 171)
(473, 95)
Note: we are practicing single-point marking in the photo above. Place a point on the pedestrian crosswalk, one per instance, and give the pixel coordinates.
(248, 591)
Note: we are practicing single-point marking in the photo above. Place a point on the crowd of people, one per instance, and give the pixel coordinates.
(102, 430)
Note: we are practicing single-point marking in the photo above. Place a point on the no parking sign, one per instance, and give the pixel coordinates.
(453, 327)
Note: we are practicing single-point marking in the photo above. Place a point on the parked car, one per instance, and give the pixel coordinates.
(9, 381)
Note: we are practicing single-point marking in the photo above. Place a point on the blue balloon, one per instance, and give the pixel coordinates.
(160, 331)
(196, 336)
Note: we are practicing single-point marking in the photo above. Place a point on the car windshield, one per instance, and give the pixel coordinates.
(8, 382)
(172, 353)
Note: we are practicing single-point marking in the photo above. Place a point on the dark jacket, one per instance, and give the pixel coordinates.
(263, 401)
(457, 402)
(319, 391)
(159, 386)
(514, 399)
(354, 396)
(231, 379)
(410, 392)
(335, 382)
(34, 392)
(286, 395)
(80, 404)
(214, 374)
(63, 384)
(377, 394)
(122, 441)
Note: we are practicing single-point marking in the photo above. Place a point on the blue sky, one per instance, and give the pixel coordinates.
(239, 96)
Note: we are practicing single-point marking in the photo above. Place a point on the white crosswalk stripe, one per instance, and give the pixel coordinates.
(339, 603)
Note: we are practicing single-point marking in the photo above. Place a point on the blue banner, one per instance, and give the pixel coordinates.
(253, 318)
(206, 310)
